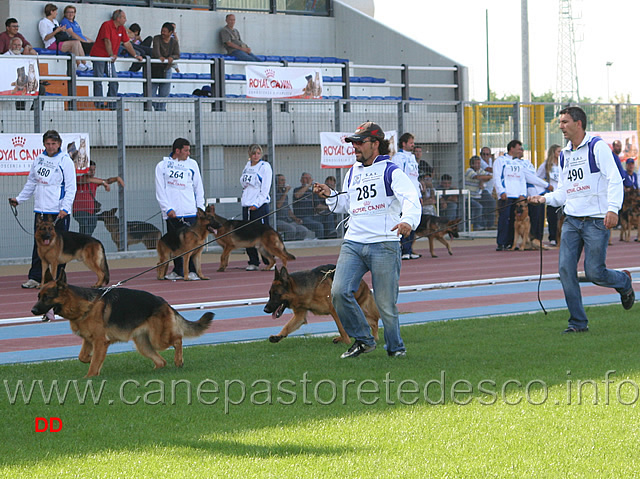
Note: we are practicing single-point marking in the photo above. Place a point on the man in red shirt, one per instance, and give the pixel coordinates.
(12, 31)
(112, 33)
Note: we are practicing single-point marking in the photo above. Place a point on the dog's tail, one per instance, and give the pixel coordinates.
(192, 329)
(289, 255)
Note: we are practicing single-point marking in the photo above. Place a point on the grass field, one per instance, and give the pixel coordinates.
(505, 397)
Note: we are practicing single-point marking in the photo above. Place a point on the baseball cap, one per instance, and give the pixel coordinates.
(366, 130)
(630, 160)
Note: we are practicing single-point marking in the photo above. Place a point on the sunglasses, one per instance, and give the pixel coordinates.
(360, 143)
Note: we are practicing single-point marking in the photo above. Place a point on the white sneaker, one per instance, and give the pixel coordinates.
(193, 276)
(31, 284)
(553, 243)
(82, 67)
(173, 276)
(406, 256)
(252, 267)
(415, 256)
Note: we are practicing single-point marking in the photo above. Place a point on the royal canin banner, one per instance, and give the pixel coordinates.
(337, 153)
(18, 75)
(18, 151)
(280, 82)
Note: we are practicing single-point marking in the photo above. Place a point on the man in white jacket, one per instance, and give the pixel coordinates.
(590, 189)
(180, 193)
(511, 178)
(52, 183)
(376, 194)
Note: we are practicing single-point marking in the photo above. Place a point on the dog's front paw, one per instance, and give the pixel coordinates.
(275, 338)
(220, 269)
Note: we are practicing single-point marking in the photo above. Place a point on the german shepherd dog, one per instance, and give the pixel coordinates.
(56, 248)
(120, 315)
(310, 290)
(183, 240)
(629, 214)
(233, 234)
(521, 226)
(437, 228)
(137, 231)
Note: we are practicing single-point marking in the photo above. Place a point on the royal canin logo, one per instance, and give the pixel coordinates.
(18, 141)
(270, 73)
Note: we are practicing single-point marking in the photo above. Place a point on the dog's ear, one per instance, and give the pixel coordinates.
(47, 276)
(201, 213)
(277, 273)
(284, 274)
(61, 280)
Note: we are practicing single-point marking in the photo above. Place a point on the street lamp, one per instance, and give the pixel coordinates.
(608, 69)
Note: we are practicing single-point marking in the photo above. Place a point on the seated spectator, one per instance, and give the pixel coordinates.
(140, 46)
(11, 31)
(230, 38)
(322, 208)
(73, 28)
(303, 207)
(51, 31)
(428, 194)
(287, 224)
(448, 203)
(481, 201)
(167, 50)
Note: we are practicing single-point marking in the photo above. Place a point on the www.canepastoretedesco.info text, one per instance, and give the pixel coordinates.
(323, 391)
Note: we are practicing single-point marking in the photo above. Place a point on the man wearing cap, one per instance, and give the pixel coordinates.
(633, 176)
(52, 183)
(376, 194)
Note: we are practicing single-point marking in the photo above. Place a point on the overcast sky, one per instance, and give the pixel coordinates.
(456, 29)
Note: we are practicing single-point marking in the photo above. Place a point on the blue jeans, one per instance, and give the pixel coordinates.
(163, 90)
(244, 56)
(383, 260)
(592, 236)
(100, 70)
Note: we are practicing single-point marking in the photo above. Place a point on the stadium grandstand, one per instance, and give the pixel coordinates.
(379, 75)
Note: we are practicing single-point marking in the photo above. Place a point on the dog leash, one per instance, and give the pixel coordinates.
(14, 209)
(271, 213)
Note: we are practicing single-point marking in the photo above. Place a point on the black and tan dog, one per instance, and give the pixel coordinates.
(629, 214)
(120, 315)
(521, 226)
(233, 234)
(137, 231)
(56, 248)
(183, 241)
(310, 290)
(437, 228)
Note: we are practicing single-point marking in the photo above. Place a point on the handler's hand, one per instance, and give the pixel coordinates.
(537, 200)
(13, 202)
(62, 214)
(322, 190)
(610, 220)
(403, 229)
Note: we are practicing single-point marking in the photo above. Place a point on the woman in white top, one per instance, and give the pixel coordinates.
(256, 195)
(550, 171)
(49, 27)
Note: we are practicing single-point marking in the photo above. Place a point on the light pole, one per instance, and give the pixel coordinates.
(608, 69)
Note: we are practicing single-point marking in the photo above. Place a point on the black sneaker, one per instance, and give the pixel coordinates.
(629, 297)
(573, 329)
(357, 349)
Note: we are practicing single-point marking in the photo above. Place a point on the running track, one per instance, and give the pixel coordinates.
(36, 341)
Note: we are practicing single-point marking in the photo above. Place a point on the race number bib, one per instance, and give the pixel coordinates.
(367, 193)
(177, 175)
